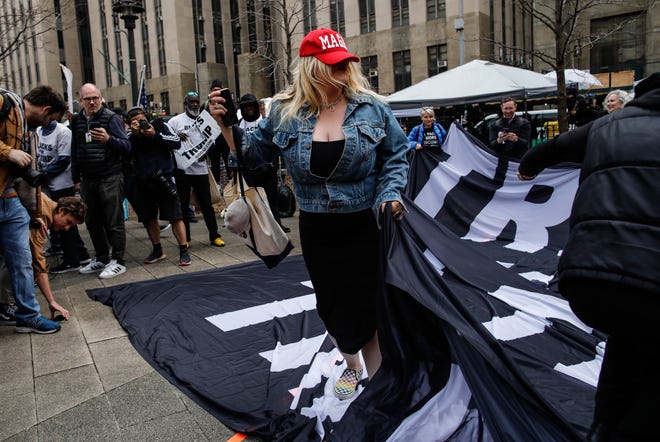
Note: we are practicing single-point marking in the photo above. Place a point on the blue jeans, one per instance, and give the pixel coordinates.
(15, 249)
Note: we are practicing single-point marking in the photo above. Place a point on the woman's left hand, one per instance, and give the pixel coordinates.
(397, 210)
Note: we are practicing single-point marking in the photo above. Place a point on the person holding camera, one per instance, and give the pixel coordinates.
(151, 149)
(38, 108)
(99, 141)
(509, 135)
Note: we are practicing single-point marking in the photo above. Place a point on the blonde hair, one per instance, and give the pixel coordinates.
(427, 110)
(311, 78)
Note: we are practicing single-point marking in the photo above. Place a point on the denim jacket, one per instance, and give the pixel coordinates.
(373, 167)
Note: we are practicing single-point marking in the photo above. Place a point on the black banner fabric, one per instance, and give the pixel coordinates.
(477, 344)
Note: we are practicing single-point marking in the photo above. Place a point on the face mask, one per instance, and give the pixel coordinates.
(250, 116)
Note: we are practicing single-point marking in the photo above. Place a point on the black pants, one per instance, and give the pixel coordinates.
(105, 216)
(217, 152)
(73, 247)
(200, 184)
(628, 394)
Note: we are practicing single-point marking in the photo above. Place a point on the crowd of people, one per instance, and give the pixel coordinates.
(347, 156)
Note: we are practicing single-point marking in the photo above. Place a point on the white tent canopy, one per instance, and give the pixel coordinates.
(472, 82)
(583, 79)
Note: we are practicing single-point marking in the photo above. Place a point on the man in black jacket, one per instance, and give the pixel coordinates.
(151, 148)
(610, 268)
(98, 143)
(509, 135)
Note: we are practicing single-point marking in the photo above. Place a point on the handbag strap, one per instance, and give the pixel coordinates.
(239, 167)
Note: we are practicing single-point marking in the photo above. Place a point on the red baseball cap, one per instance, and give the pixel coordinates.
(327, 46)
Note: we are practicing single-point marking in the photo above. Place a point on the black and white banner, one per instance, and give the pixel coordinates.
(477, 344)
(198, 139)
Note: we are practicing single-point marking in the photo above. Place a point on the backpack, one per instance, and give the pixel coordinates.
(7, 105)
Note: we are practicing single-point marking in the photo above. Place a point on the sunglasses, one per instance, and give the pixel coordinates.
(192, 94)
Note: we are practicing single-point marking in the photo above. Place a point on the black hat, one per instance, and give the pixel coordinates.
(248, 99)
(648, 84)
(216, 83)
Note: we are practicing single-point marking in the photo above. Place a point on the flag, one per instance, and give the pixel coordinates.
(68, 75)
(142, 99)
(477, 343)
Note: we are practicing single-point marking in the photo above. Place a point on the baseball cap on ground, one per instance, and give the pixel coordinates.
(327, 46)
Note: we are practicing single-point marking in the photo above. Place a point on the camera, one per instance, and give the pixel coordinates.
(29, 175)
(167, 184)
(144, 124)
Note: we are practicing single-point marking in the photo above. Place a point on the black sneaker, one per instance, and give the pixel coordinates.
(7, 314)
(65, 268)
(155, 256)
(184, 259)
(53, 251)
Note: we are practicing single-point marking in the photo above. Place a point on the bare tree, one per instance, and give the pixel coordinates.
(283, 20)
(24, 24)
(567, 20)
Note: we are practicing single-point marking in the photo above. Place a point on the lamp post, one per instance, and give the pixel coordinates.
(191, 70)
(128, 11)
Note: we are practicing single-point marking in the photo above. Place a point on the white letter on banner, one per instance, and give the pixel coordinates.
(532, 219)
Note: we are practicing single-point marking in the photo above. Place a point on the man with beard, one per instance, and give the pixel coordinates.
(38, 108)
(196, 176)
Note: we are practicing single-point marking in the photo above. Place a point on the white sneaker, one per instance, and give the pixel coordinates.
(93, 267)
(112, 269)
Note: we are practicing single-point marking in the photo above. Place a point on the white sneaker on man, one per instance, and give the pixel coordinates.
(112, 269)
(93, 267)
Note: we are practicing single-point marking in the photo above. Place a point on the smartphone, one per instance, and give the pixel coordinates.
(230, 118)
(94, 125)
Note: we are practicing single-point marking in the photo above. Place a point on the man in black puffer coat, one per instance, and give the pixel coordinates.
(98, 143)
(610, 268)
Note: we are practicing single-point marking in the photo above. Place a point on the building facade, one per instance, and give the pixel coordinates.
(251, 45)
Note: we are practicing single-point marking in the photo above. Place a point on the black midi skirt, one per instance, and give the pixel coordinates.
(341, 255)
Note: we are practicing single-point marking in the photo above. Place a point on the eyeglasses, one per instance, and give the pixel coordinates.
(88, 99)
(192, 94)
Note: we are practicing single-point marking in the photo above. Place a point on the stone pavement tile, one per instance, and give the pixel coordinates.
(212, 427)
(117, 362)
(92, 420)
(17, 415)
(16, 376)
(149, 397)
(29, 435)
(63, 350)
(61, 391)
(98, 322)
(219, 256)
(175, 427)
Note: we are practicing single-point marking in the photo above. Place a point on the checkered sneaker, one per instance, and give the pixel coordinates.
(347, 383)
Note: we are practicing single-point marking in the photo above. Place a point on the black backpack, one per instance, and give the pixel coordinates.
(7, 105)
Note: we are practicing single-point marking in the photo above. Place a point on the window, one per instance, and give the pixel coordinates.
(160, 39)
(85, 39)
(367, 16)
(165, 102)
(120, 54)
(400, 14)
(370, 70)
(309, 15)
(437, 59)
(402, 77)
(198, 29)
(252, 26)
(145, 45)
(337, 19)
(435, 9)
(620, 50)
(217, 31)
(106, 46)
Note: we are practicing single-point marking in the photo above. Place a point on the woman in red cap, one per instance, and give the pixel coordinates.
(346, 154)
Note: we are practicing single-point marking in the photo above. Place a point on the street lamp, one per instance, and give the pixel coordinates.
(128, 11)
(193, 71)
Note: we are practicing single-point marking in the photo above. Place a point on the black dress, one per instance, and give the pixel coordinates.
(341, 255)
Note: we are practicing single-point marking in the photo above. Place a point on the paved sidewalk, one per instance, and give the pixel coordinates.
(87, 382)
